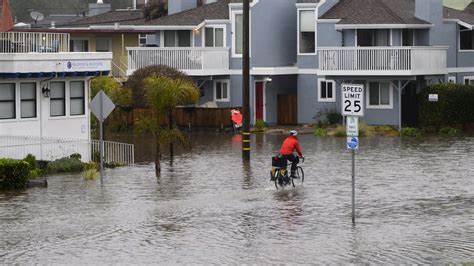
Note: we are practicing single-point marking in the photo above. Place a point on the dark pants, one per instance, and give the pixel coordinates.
(294, 162)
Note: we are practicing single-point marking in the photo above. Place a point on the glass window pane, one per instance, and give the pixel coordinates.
(58, 107)
(209, 35)
(307, 20)
(7, 91)
(219, 38)
(224, 91)
(218, 90)
(77, 89)
(77, 107)
(28, 91)
(330, 90)
(184, 38)
(57, 90)
(239, 27)
(323, 90)
(382, 38)
(170, 38)
(7, 110)
(384, 93)
(407, 37)
(28, 109)
(471, 82)
(374, 93)
(102, 45)
(307, 42)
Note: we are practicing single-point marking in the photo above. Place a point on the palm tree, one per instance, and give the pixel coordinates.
(163, 95)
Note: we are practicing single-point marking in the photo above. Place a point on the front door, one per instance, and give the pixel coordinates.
(287, 109)
(259, 100)
(410, 106)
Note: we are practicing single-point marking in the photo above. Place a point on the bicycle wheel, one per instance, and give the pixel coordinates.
(299, 176)
(279, 180)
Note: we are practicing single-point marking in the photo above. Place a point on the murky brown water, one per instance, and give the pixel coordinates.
(414, 205)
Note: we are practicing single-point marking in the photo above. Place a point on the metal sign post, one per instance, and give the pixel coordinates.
(101, 106)
(353, 108)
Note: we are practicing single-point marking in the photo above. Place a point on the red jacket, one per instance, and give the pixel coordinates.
(289, 145)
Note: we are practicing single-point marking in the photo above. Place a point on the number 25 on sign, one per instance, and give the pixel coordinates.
(352, 100)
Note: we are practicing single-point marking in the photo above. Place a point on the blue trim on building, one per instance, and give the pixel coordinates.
(53, 74)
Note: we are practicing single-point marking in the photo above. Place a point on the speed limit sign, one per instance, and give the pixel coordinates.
(352, 100)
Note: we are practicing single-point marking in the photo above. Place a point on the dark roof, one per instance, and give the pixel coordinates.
(195, 16)
(466, 16)
(374, 12)
(124, 17)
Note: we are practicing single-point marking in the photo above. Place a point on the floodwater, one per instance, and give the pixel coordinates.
(415, 203)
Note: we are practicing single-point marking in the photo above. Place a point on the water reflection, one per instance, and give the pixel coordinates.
(414, 205)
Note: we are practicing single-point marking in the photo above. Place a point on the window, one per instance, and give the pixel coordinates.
(77, 97)
(7, 101)
(407, 37)
(238, 32)
(28, 100)
(214, 37)
(466, 37)
(307, 32)
(221, 88)
(142, 39)
(327, 90)
(103, 45)
(380, 95)
(58, 99)
(79, 45)
(372, 37)
(469, 81)
(452, 79)
(177, 38)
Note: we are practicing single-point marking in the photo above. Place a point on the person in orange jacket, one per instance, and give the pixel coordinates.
(290, 144)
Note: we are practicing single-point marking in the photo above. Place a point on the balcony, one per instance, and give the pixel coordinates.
(382, 61)
(33, 42)
(193, 61)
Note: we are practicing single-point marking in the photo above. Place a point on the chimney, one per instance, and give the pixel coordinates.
(98, 8)
(176, 6)
(100, 2)
(429, 10)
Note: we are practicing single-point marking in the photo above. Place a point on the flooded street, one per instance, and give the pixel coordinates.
(414, 199)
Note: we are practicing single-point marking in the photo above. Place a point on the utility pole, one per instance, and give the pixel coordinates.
(246, 82)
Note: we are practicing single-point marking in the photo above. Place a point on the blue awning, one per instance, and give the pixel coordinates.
(53, 74)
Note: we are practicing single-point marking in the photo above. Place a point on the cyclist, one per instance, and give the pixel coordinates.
(290, 144)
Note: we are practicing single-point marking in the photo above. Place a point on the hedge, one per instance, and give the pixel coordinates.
(13, 174)
(455, 106)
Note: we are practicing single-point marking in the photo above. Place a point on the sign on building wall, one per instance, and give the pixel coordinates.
(83, 65)
(352, 100)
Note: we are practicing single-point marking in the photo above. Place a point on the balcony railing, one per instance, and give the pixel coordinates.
(382, 60)
(190, 60)
(33, 42)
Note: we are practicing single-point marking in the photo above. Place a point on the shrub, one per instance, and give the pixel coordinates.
(449, 131)
(334, 118)
(455, 106)
(76, 156)
(321, 132)
(65, 165)
(410, 132)
(90, 171)
(259, 126)
(13, 174)
(363, 129)
(31, 160)
(35, 173)
(340, 132)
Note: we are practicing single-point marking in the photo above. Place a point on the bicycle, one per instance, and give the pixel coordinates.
(279, 173)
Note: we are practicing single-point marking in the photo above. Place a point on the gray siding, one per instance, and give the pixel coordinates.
(280, 85)
(176, 6)
(274, 33)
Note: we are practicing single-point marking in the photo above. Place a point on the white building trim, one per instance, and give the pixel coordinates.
(383, 26)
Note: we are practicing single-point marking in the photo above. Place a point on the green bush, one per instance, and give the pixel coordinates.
(31, 160)
(449, 131)
(455, 106)
(410, 132)
(65, 165)
(76, 156)
(334, 118)
(321, 132)
(13, 174)
(259, 126)
(35, 173)
(90, 171)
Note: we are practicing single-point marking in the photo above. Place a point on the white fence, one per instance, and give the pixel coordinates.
(179, 58)
(383, 60)
(50, 149)
(33, 42)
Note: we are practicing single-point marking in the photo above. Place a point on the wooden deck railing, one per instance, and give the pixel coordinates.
(33, 42)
